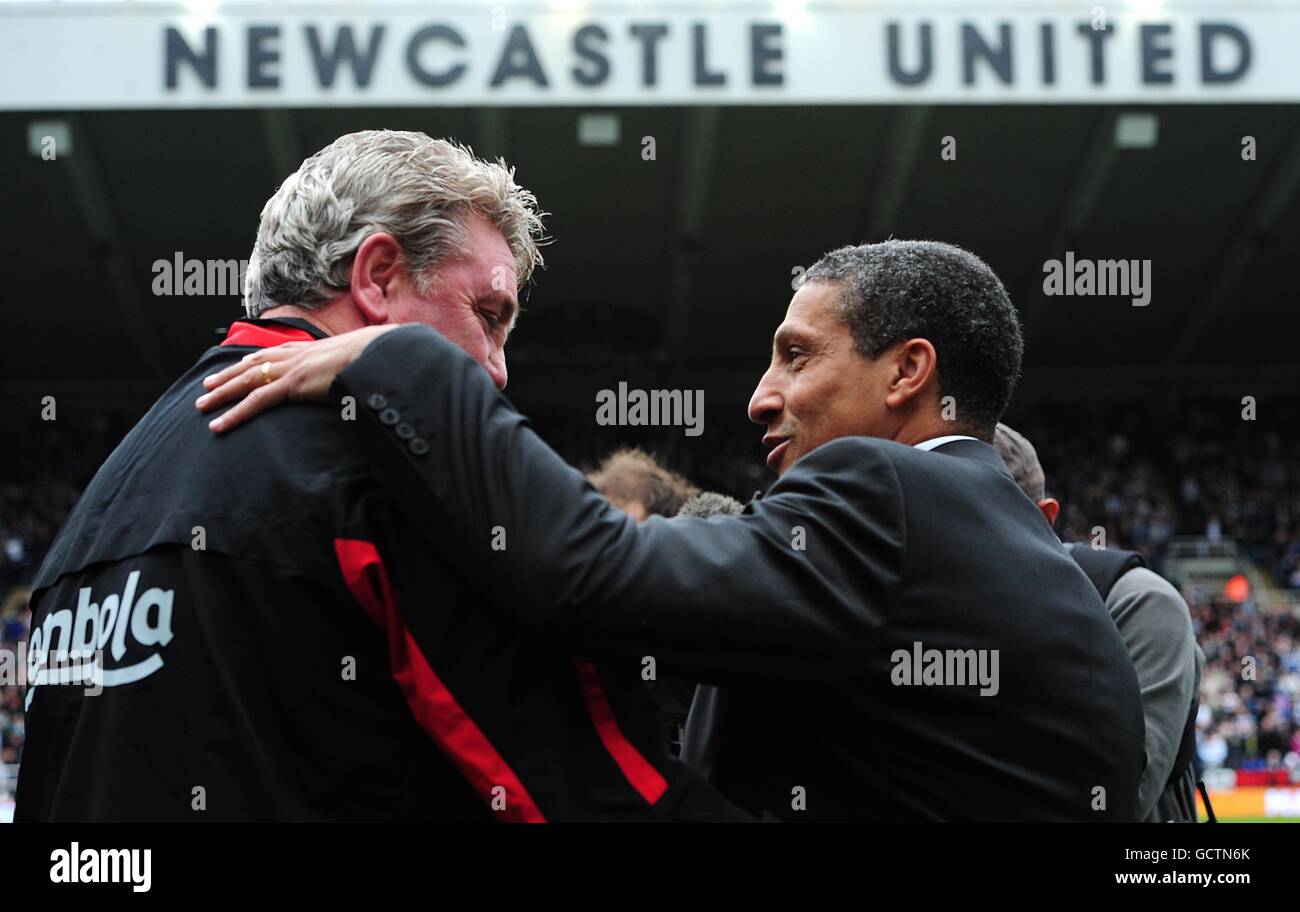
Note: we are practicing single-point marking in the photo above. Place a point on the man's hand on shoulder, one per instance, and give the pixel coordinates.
(294, 372)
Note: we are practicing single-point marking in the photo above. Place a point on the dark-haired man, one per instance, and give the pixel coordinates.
(901, 634)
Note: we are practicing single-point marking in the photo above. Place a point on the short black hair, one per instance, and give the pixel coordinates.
(899, 290)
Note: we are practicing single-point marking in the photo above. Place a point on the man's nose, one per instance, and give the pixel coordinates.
(766, 403)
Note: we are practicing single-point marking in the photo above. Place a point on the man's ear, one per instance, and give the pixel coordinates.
(1051, 508)
(914, 365)
(378, 262)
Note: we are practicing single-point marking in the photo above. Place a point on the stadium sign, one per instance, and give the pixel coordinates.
(142, 54)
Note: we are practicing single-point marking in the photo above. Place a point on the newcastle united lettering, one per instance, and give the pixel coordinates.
(439, 54)
(333, 52)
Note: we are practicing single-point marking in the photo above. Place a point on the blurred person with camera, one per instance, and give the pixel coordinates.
(636, 483)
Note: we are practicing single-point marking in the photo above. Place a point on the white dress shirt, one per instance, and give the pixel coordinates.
(940, 441)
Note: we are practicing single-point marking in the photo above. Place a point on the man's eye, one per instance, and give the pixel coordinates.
(490, 318)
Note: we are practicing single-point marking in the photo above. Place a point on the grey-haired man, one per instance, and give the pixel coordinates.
(284, 645)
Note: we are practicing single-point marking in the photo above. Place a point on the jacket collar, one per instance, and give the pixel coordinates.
(974, 449)
(263, 333)
(968, 449)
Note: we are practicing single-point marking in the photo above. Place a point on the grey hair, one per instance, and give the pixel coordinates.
(711, 503)
(418, 189)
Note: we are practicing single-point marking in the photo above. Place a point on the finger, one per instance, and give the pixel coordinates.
(212, 381)
(239, 384)
(273, 354)
(261, 399)
(232, 385)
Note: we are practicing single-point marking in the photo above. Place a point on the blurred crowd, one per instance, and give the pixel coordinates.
(43, 468)
(1141, 474)
(1250, 690)
(13, 630)
(1146, 473)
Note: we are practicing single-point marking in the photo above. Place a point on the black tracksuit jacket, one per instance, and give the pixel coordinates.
(275, 641)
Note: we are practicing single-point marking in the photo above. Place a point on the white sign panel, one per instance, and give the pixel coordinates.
(202, 54)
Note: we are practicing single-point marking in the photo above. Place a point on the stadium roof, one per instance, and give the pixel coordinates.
(674, 272)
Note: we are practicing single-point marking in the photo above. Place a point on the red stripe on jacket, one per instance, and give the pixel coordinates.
(640, 773)
(432, 704)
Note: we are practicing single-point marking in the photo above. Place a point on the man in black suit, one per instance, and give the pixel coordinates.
(900, 634)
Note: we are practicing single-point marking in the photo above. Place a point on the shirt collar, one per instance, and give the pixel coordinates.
(940, 441)
(263, 333)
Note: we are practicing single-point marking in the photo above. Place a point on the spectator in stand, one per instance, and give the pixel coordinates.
(634, 482)
(1250, 691)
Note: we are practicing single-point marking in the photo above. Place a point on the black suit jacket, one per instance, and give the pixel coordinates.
(804, 606)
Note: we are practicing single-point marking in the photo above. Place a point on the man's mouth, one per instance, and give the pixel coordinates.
(777, 452)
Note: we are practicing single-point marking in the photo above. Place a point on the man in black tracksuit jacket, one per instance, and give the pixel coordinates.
(277, 642)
